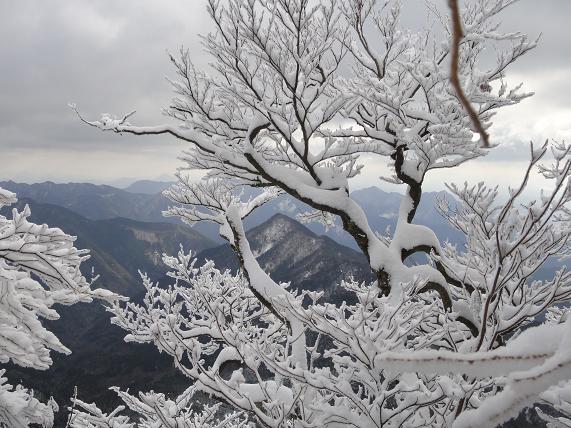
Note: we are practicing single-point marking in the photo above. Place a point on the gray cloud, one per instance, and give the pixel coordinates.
(110, 56)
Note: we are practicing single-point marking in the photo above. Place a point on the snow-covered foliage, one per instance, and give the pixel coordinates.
(299, 96)
(154, 410)
(39, 267)
(19, 408)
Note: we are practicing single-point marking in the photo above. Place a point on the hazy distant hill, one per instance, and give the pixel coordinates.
(148, 187)
(96, 202)
(103, 202)
(119, 247)
(380, 207)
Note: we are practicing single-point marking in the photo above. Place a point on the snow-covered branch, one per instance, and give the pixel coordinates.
(39, 268)
(154, 410)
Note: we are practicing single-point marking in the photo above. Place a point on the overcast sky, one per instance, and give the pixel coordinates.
(110, 56)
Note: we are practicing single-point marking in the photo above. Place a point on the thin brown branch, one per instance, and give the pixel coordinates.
(457, 35)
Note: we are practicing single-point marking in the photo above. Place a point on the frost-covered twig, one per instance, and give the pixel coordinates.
(155, 410)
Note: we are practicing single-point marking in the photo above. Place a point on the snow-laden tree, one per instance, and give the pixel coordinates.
(39, 268)
(300, 96)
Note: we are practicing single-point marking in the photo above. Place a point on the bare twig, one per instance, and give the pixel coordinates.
(72, 408)
(457, 35)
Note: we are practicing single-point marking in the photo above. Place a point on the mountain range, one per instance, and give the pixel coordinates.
(119, 246)
(95, 202)
(126, 233)
(143, 201)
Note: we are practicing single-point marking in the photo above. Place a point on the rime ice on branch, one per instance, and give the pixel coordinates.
(282, 112)
(39, 267)
(154, 410)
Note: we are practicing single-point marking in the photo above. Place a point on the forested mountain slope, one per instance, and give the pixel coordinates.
(119, 248)
(289, 251)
